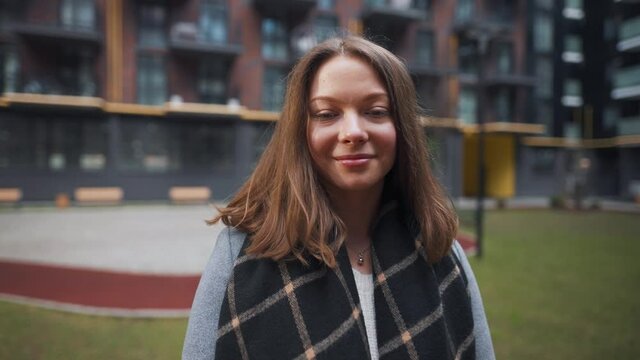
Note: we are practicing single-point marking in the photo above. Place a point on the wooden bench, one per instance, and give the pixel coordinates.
(189, 194)
(10, 196)
(98, 195)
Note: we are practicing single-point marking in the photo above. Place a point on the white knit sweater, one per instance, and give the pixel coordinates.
(364, 283)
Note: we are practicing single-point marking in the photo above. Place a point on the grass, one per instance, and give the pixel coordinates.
(33, 333)
(562, 285)
(556, 285)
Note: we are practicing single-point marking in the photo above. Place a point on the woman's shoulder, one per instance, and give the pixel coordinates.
(229, 244)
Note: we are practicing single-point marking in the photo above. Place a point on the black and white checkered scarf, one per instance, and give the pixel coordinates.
(285, 310)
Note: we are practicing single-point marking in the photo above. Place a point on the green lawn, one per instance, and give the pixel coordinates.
(562, 285)
(556, 285)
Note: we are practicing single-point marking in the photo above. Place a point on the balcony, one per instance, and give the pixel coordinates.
(629, 35)
(626, 83)
(293, 10)
(81, 36)
(75, 24)
(188, 40)
(497, 20)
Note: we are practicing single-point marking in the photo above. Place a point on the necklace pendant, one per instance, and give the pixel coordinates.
(360, 259)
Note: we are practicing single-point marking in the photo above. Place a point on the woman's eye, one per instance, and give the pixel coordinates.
(378, 112)
(324, 115)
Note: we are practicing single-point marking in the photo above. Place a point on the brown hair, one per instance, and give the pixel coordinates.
(283, 205)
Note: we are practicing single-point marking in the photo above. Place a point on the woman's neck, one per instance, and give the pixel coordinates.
(357, 210)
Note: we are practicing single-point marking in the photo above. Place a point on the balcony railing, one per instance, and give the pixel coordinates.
(629, 34)
(189, 38)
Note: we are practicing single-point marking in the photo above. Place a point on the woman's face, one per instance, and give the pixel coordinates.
(351, 135)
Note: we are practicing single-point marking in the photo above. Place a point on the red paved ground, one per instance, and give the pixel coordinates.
(97, 288)
(104, 289)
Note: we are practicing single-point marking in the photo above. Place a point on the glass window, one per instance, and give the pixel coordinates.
(212, 86)
(505, 58)
(572, 87)
(213, 21)
(425, 47)
(467, 106)
(503, 105)
(206, 146)
(273, 87)
(274, 40)
(326, 4)
(572, 49)
(9, 69)
(464, 10)
(572, 93)
(544, 75)
(573, 4)
(543, 159)
(325, 27)
(545, 4)
(78, 14)
(152, 82)
(53, 143)
(544, 116)
(149, 146)
(543, 33)
(151, 29)
(468, 56)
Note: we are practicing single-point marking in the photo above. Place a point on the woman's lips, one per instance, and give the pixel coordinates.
(354, 160)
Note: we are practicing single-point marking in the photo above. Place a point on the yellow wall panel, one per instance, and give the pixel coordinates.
(499, 165)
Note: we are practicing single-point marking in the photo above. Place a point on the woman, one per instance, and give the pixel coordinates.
(340, 245)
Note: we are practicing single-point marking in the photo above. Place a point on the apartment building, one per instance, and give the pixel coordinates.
(148, 94)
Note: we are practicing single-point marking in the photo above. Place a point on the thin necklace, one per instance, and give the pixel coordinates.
(360, 255)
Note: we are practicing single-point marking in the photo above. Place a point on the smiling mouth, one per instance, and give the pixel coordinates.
(354, 160)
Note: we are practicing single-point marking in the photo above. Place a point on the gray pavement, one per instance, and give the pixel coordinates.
(161, 239)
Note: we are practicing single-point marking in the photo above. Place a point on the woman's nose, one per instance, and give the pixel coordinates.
(352, 130)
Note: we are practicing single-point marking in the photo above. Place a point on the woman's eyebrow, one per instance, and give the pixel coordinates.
(372, 96)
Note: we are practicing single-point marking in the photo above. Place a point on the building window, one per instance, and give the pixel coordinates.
(148, 146)
(206, 146)
(572, 49)
(573, 9)
(543, 33)
(504, 63)
(79, 14)
(326, 4)
(273, 87)
(425, 47)
(502, 11)
(572, 93)
(9, 68)
(213, 21)
(544, 116)
(468, 57)
(545, 4)
(467, 106)
(152, 82)
(274, 40)
(544, 75)
(503, 105)
(212, 86)
(464, 10)
(53, 144)
(151, 30)
(325, 26)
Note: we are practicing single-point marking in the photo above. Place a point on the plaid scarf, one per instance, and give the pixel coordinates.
(285, 310)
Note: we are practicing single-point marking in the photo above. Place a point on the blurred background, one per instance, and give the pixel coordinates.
(147, 110)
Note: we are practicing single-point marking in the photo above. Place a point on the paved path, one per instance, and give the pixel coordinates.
(117, 261)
